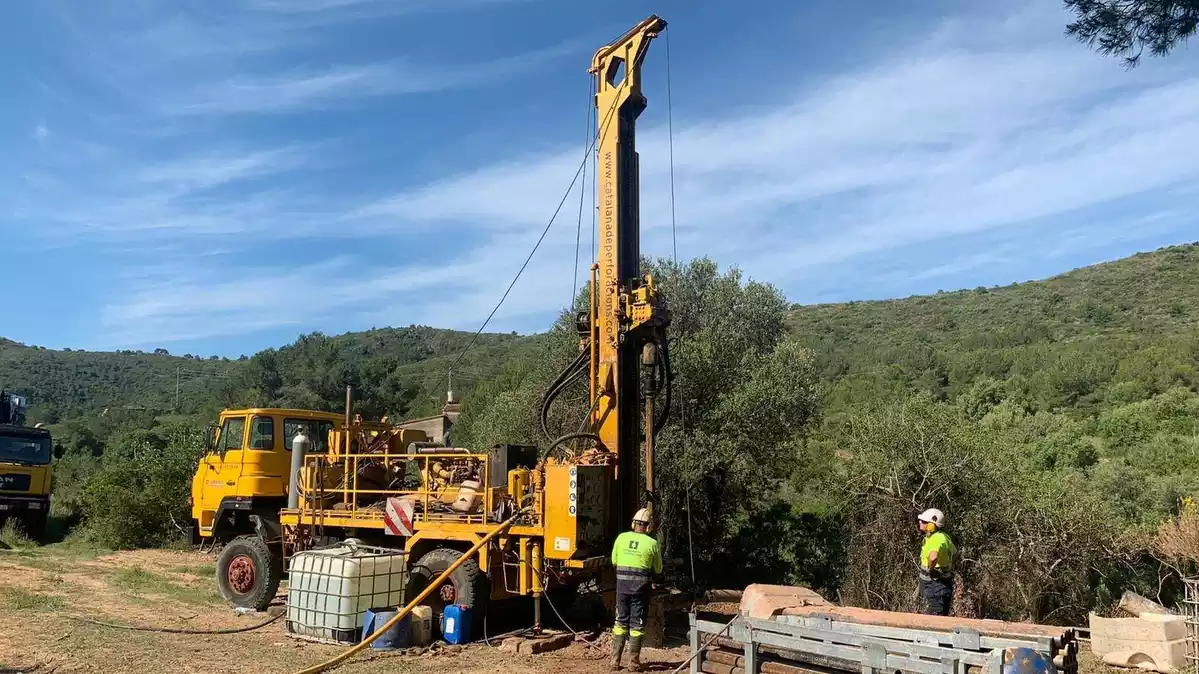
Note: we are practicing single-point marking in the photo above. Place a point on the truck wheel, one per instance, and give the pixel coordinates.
(466, 585)
(248, 573)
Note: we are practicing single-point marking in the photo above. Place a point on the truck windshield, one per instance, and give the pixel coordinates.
(21, 448)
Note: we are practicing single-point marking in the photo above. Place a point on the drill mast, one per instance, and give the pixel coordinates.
(627, 318)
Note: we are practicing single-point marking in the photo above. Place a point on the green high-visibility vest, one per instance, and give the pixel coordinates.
(638, 552)
(940, 542)
(637, 559)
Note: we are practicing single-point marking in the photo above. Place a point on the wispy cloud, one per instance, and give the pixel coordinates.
(172, 302)
(171, 200)
(981, 128)
(346, 85)
(210, 170)
(943, 139)
(360, 8)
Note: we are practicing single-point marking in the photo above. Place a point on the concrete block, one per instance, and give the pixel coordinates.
(511, 645)
(764, 601)
(1130, 660)
(545, 644)
(1150, 627)
(1161, 638)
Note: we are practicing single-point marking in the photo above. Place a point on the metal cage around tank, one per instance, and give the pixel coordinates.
(331, 589)
(1190, 606)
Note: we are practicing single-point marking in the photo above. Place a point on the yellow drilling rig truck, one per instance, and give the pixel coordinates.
(25, 470)
(389, 485)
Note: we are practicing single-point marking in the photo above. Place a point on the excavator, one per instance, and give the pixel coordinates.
(530, 521)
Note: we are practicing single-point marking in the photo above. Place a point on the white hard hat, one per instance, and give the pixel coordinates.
(642, 516)
(933, 515)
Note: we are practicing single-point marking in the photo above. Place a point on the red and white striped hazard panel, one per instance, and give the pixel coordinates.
(397, 518)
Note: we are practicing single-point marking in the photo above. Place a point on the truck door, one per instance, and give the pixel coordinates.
(266, 465)
(222, 467)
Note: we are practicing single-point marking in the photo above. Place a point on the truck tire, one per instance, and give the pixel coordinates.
(466, 585)
(248, 573)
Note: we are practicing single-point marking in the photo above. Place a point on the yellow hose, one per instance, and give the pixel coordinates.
(350, 652)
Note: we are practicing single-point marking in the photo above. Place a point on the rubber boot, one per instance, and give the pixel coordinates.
(635, 655)
(618, 641)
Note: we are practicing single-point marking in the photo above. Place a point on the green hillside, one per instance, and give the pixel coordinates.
(1123, 330)
(63, 384)
(392, 367)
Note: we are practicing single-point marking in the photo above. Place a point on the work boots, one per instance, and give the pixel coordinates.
(618, 641)
(635, 655)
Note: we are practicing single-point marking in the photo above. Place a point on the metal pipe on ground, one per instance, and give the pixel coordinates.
(829, 663)
(713, 667)
(780, 661)
(732, 659)
(839, 664)
(783, 641)
(996, 628)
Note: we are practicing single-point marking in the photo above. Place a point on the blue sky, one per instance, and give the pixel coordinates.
(218, 176)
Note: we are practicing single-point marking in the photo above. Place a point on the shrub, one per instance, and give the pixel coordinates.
(139, 497)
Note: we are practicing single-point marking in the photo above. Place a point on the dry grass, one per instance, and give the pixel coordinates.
(13, 537)
(19, 599)
(1177, 540)
(40, 587)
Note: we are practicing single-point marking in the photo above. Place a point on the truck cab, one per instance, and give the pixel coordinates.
(241, 482)
(25, 471)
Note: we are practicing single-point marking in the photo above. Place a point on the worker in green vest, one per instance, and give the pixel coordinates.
(936, 564)
(638, 561)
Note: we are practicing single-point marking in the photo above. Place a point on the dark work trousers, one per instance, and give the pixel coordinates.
(937, 594)
(630, 613)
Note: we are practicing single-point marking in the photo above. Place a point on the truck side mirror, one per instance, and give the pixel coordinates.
(210, 438)
(59, 451)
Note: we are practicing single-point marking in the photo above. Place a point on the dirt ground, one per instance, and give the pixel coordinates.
(41, 587)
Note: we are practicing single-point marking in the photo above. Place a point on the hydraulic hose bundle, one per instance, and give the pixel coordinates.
(573, 372)
(580, 367)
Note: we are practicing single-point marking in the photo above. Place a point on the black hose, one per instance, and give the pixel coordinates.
(568, 437)
(567, 377)
(179, 630)
(553, 394)
(669, 379)
(667, 376)
(555, 388)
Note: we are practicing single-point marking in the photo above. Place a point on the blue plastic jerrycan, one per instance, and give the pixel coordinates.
(455, 624)
(399, 636)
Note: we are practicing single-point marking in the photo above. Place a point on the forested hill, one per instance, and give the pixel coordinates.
(69, 383)
(393, 367)
(1124, 329)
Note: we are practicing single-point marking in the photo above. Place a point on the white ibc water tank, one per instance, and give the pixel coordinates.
(329, 591)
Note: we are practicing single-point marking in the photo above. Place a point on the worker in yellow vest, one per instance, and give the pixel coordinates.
(937, 556)
(638, 561)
